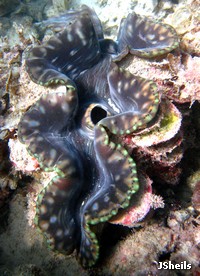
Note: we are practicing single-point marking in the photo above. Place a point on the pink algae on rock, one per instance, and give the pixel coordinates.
(140, 205)
(185, 84)
(22, 161)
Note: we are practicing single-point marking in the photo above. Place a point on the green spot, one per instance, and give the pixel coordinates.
(133, 165)
(102, 219)
(125, 152)
(114, 212)
(125, 204)
(129, 192)
(92, 235)
(114, 131)
(134, 171)
(140, 123)
(36, 220)
(40, 196)
(148, 118)
(106, 142)
(71, 87)
(119, 146)
(136, 187)
(154, 109)
(163, 51)
(112, 145)
(96, 245)
(93, 222)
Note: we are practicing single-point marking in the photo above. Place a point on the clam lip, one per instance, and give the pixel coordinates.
(75, 132)
(81, 45)
(140, 205)
(168, 127)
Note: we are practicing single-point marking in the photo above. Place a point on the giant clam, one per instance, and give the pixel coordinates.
(75, 132)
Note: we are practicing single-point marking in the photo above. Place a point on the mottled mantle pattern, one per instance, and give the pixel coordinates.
(74, 132)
